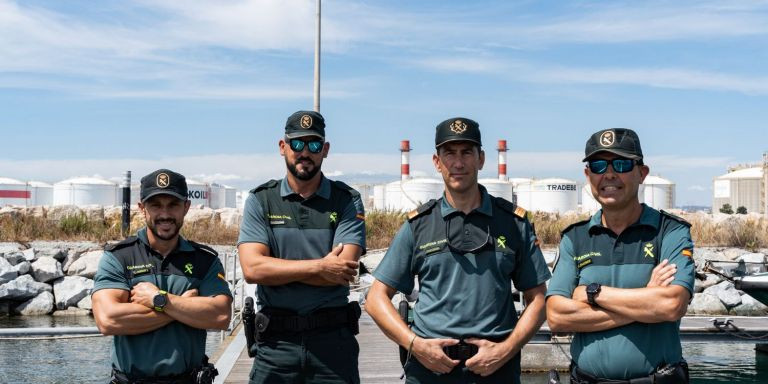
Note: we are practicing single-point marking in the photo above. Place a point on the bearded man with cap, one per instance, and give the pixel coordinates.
(300, 241)
(157, 293)
(465, 249)
(624, 277)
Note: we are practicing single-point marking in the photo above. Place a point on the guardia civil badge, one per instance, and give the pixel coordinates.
(306, 121)
(607, 138)
(458, 127)
(162, 180)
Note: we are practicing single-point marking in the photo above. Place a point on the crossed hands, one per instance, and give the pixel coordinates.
(661, 276)
(143, 293)
(337, 270)
(489, 358)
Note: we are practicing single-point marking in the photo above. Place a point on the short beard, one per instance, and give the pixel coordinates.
(302, 175)
(171, 236)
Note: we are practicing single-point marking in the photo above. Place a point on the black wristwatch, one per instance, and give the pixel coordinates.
(592, 291)
(160, 300)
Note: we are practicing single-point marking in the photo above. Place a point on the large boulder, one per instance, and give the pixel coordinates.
(701, 285)
(701, 255)
(726, 292)
(230, 217)
(23, 268)
(56, 253)
(69, 290)
(10, 248)
(85, 303)
(22, 288)
(201, 215)
(86, 265)
(14, 257)
(706, 304)
(41, 304)
(7, 271)
(749, 307)
(46, 269)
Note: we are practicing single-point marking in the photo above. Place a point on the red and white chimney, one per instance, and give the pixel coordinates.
(405, 160)
(502, 160)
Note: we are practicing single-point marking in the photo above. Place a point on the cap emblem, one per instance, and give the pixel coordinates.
(306, 121)
(458, 127)
(163, 180)
(607, 138)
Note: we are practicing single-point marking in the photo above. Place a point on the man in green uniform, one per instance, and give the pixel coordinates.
(300, 241)
(624, 277)
(158, 292)
(465, 249)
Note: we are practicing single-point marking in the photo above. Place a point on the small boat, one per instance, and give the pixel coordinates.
(750, 277)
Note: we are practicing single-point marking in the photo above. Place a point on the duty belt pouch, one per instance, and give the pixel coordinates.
(206, 373)
(353, 316)
(672, 374)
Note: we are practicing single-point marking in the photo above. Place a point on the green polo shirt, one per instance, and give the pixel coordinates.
(464, 294)
(295, 228)
(176, 347)
(592, 253)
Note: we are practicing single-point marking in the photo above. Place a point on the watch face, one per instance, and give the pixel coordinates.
(159, 300)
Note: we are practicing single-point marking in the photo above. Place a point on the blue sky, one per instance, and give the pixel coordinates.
(204, 87)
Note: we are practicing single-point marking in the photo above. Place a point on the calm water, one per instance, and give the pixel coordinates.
(86, 360)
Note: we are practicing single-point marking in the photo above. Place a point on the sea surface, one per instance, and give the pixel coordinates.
(86, 359)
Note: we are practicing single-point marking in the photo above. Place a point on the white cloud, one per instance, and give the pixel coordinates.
(698, 188)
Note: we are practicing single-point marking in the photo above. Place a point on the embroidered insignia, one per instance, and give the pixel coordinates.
(221, 276)
(687, 252)
(458, 127)
(607, 138)
(188, 268)
(306, 121)
(648, 250)
(501, 242)
(520, 212)
(333, 216)
(162, 180)
(360, 216)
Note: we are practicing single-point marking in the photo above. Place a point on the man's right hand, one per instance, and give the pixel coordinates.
(337, 270)
(430, 354)
(662, 275)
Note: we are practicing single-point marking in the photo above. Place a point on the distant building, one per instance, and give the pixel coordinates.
(743, 186)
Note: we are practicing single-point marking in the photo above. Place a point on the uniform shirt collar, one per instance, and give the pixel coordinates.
(184, 245)
(485, 207)
(648, 216)
(323, 191)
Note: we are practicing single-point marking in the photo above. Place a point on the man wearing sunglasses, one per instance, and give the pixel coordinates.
(465, 250)
(624, 277)
(300, 241)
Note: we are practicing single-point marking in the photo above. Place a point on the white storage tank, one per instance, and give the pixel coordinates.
(522, 200)
(406, 195)
(81, 191)
(40, 193)
(498, 188)
(218, 197)
(549, 195)
(366, 194)
(198, 193)
(740, 188)
(379, 197)
(230, 197)
(14, 192)
(659, 192)
(242, 196)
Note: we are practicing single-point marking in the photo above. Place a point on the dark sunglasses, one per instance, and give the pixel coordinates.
(462, 248)
(619, 165)
(315, 146)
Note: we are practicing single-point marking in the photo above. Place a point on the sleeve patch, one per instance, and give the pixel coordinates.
(413, 214)
(520, 212)
(687, 252)
(360, 216)
(221, 276)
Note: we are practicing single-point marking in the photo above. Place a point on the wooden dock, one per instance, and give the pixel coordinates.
(379, 361)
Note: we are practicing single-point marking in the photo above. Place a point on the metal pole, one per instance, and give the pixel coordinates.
(317, 61)
(126, 223)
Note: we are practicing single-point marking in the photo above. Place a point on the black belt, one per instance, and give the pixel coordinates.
(461, 351)
(119, 377)
(668, 374)
(281, 320)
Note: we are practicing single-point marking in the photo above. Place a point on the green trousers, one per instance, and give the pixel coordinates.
(416, 373)
(322, 357)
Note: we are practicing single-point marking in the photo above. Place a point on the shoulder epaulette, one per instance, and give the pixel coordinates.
(268, 184)
(511, 208)
(344, 187)
(422, 209)
(122, 244)
(576, 224)
(675, 218)
(204, 248)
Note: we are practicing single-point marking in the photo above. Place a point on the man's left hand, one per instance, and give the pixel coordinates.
(143, 293)
(489, 358)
